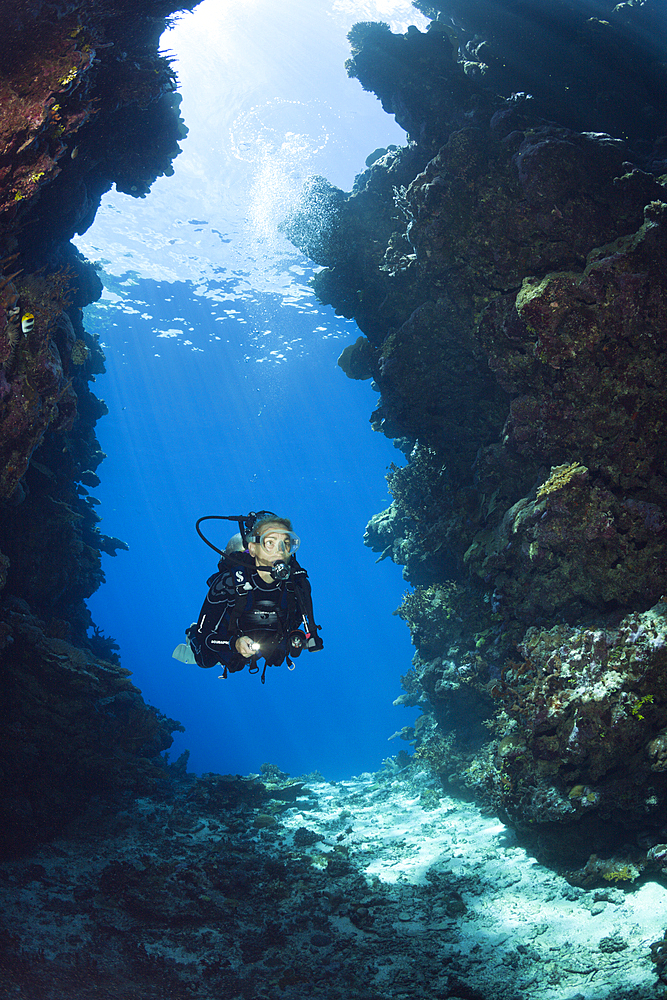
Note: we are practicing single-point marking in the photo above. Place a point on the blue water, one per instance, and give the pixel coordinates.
(225, 396)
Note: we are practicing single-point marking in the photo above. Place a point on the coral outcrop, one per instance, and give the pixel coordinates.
(86, 101)
(585, 727)
(507, 268)
(74, 729)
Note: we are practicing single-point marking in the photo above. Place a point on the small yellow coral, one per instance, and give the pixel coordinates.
(69, 77)
(560, 477)
(639, 704)
(624, 873)
(80, 353)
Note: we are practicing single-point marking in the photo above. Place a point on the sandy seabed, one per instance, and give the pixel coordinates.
(362, 889)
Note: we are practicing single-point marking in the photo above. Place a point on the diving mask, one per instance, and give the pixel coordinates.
(282, 543)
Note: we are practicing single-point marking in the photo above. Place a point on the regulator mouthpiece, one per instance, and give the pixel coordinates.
(279, 571)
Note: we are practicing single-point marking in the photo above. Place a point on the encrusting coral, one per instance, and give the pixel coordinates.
(507, 268)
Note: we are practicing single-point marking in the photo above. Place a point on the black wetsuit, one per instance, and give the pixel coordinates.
(240, 603)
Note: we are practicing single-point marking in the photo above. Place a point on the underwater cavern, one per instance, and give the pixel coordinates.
(506, 270)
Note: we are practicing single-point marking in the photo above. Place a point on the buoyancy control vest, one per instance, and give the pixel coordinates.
(278, 617)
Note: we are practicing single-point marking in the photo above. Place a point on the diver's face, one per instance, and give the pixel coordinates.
(275, 546)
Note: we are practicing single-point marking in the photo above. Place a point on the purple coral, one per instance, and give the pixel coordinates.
(650, 512)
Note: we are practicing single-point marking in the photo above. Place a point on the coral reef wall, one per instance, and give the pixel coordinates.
(86, 101)
(508, 270)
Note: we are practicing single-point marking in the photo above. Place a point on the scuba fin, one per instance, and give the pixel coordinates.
(184, 653)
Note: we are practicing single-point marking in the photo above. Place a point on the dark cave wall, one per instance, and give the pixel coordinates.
(86, 101)
(507, 268)
(593, 65)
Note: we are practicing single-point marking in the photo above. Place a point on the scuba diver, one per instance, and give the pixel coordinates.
(258, 603)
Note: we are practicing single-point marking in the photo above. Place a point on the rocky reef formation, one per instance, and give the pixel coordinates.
(86, 101)
(508, 270)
